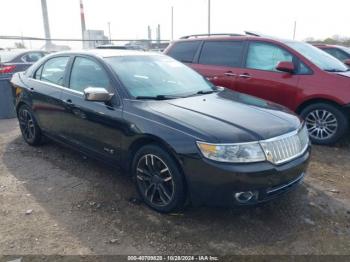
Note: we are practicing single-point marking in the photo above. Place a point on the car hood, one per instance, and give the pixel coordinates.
(228, 117)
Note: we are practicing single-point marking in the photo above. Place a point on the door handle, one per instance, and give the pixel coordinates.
(68, 101)
(230, 74)
(245, 75)
(211, 78)
(31, 89)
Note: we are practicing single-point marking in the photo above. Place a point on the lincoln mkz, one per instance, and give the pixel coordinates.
(182, 139)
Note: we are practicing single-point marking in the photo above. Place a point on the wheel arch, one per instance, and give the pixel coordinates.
(21, 103)
(315, 100)
(147, 140)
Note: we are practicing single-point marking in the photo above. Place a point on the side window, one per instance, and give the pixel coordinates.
(303, 69)
(32, 57)
(53, 70)
(265, 56)
(87, 73)
(337, 53)
(222, 53)
(184, 51)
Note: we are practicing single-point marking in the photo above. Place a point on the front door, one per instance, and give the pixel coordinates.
(260, 78)
(95, 126)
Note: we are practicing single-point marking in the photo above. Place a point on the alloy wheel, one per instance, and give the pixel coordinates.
(321, 124)
(27, 124)
(155, 180)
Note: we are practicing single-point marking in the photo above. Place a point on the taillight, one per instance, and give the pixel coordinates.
(7, 69)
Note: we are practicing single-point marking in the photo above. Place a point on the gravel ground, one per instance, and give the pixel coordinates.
(56, 201)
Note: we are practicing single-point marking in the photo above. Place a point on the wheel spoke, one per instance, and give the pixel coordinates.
(164, 191)
(153, 192)
(149, 188)
(164, 170)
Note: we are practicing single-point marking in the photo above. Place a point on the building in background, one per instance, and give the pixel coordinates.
(94, 38)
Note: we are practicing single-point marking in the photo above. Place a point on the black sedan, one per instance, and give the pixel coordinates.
(181, 138)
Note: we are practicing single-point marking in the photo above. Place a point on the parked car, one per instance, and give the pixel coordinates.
(342, 53)
(294, 74)
(11, 62)
(17, 60)
(179, 136)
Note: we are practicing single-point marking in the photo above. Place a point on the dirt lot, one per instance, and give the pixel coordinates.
(76, 205)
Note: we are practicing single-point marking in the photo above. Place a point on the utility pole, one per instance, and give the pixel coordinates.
(46, 24)
(82, 19)
(149, 33)
(208, 17)
(295, 28)
(109, 32)
(158, 34)
(172, 23)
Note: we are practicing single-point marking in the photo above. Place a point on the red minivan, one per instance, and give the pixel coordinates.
(295, 74)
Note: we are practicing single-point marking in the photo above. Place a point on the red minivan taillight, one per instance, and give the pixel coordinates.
(7, 69)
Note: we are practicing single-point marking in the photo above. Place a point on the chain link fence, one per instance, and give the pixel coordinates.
(60, 44)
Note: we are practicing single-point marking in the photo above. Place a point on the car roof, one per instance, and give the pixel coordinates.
(233, 37)
(326, 45)
(107, 52)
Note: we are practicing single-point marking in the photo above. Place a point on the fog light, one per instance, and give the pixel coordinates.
(245, 197)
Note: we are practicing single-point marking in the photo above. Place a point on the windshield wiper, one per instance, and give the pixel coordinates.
(157, 97)
(204, 92)
(335, 70)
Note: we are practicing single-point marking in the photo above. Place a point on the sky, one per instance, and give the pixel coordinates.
(130, 18)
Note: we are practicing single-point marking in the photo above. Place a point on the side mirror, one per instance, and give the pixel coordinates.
(97, 94)
(285, 66)
(347, 62)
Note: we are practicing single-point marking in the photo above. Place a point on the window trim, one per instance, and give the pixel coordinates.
(311, 72)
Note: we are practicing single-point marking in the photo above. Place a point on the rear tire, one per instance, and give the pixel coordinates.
(30, 130)
(158, 178)
(326, 123)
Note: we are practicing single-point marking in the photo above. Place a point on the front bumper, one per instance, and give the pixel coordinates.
(215, 184)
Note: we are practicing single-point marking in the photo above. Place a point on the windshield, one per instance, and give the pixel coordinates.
(345, 49)
(318, 57)
(157, 75)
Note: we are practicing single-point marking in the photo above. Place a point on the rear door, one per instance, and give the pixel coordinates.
(260, 77)
(93, 126)
(46, 87)
(220, 62)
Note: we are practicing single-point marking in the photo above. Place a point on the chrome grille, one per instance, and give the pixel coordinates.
(286, 147)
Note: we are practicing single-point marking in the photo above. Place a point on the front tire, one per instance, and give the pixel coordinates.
(30, 130)
(326, 123)
(159, 180)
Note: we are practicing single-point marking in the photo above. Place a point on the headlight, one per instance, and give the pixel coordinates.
(234, 153)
